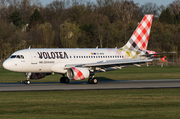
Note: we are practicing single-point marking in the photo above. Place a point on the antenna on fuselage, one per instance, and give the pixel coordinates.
(29, 47)
(97, 47)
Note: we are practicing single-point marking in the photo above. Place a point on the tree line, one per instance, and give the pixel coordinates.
(84, 24)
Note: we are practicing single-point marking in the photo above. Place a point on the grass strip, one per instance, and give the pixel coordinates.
(134, 103)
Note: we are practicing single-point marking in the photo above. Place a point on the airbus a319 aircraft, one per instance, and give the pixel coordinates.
(82, 63)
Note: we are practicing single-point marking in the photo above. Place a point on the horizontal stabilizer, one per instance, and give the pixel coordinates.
(159, 53)
(163, 59)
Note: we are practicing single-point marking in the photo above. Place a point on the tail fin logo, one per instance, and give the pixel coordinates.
(139, 39)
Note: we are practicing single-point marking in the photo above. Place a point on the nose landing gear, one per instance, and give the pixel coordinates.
(27, 81)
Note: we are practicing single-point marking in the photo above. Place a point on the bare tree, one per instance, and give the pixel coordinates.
(106, 7)
(3, 9)
(175, 7)
(150, 8)
(125, 11)
(27, 7)
(56, 10)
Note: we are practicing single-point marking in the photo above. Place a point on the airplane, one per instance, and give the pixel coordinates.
(83, 63)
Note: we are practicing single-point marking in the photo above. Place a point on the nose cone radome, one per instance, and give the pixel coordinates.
(7, 64)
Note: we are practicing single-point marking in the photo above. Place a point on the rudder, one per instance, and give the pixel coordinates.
(139, 39)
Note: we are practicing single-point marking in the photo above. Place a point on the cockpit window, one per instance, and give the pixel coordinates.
(13, 56)
(22, 57)
(17, 56)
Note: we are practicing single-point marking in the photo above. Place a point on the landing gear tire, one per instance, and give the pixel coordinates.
(27, 82)
(64, 80)
(92, 81)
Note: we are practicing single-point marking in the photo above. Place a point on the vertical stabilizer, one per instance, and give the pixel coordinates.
(139, 39)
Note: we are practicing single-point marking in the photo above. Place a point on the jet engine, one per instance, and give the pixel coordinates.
(78, 73)
(38, 75)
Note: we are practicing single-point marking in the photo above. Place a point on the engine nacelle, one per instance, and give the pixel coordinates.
(38, 75)
(78, 73)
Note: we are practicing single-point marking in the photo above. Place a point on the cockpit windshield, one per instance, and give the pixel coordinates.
(17, 56)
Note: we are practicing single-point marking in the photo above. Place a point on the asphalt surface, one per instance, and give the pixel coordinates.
(102, 85)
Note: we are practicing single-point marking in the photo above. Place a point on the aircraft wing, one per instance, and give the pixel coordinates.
(117, 62)
(110, 63)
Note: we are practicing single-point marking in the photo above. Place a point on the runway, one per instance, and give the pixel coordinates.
(102, 85)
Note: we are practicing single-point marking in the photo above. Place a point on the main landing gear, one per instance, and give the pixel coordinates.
(92, 80)
(64, 79)
(27, 81)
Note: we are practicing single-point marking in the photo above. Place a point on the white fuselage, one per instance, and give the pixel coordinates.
(53, 60)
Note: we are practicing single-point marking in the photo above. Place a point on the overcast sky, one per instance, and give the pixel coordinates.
(141, 2)
(158, 2)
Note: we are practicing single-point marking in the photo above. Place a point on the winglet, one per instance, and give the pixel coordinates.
(163, 59)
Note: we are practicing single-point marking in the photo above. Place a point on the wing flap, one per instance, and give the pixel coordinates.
(117, 62)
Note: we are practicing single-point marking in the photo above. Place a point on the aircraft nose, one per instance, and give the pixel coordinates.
(7, 65)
